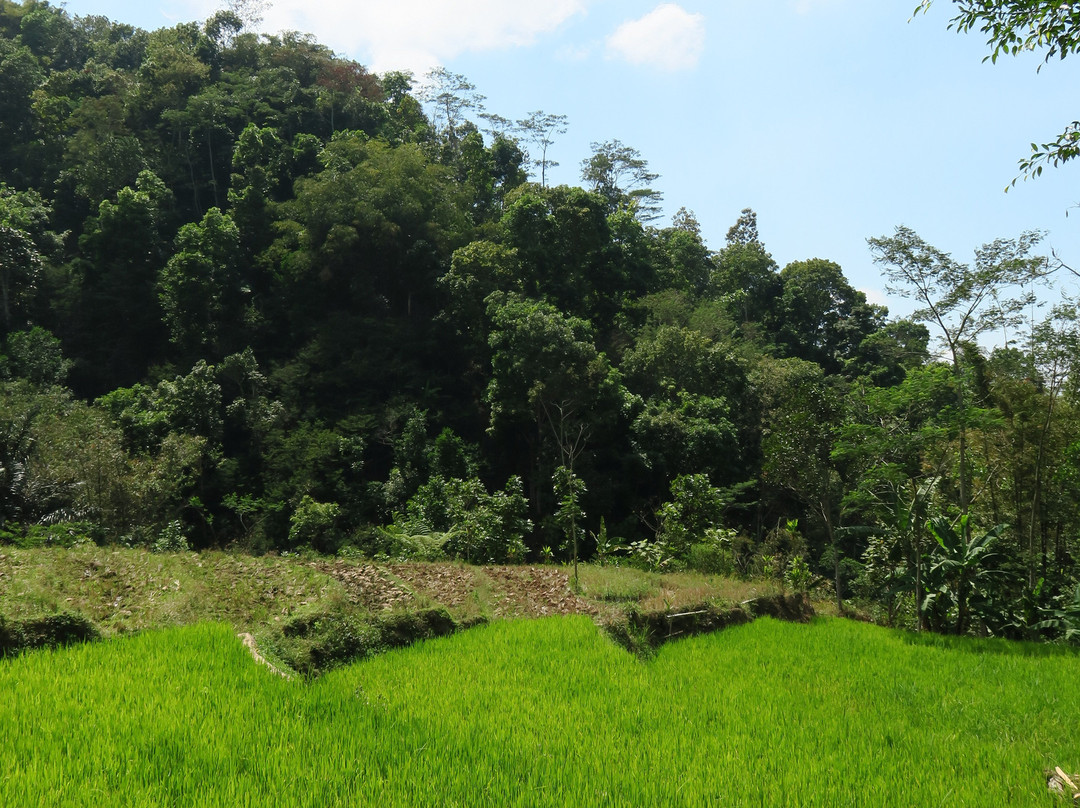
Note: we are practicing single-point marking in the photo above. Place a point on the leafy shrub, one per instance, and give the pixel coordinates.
(315, 524)
(479, 527)
(61, 534)
(171, 539)
(785, 541)
(406, 542)
(35, 355)
(798, 575)
(695, 507)
(253, 515)
(1064, 618)
(715, 554)
(606, 546)
(652, 555)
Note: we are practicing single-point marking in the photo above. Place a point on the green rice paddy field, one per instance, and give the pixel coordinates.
(545, 712)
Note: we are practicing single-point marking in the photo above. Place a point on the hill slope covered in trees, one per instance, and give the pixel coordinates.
(253, 295)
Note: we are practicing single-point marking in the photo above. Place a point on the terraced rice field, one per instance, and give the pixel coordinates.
(545, 712)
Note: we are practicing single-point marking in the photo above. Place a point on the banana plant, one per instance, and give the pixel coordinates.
(961, 570)
(1065, 619)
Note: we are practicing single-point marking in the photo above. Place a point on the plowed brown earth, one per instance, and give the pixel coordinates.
(506, 591)
(367, 585)
(534, 592)
(450, 585)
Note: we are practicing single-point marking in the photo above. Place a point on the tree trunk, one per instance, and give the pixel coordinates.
(961, 605)
(1036, 494)
(920, 618)
(826, 513)
(5, 304)
(958, 375)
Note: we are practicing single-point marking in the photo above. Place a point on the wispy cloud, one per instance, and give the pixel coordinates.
(875, 296)
(668, 38)
(418, 34)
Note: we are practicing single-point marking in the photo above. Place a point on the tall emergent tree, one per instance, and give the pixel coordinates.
(962, 302)
(451, 97)
(621, 175)
(540, 129)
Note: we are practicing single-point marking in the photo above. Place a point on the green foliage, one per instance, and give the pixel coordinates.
(690, 434)
(427, 322)
(410, 542)
(26, 244)
(50, 447)
(696, 506)
(251, 513)
(821, 317)
(199, 286)
(59, 534)
(1064, 618)
(717, 553)
(1017, 26)
(962, 575)
(798, 574)
(569, 489)
(567, 251)
(468, 522)
(803, 415)
(36, 356)
(690, 383)
(606, 545)
(20, 267)
(171, 539)
(540, 356)
(315, 524)
(746, 275)
(619, 174)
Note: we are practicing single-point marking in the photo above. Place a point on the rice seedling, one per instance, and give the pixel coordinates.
(545, 712)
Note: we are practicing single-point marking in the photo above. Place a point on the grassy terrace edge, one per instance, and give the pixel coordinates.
(308, 615)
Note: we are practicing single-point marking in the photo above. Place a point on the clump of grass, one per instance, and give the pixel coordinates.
(480, 606)
(679, 590)
(656, 592)
(618, 584)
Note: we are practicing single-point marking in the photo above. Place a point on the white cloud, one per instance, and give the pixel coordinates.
(418, 34)
(875, 296)
(668, 37)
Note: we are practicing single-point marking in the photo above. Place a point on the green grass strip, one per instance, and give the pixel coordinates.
(538, 713)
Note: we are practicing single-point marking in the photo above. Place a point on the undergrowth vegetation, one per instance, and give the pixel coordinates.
(544, 713)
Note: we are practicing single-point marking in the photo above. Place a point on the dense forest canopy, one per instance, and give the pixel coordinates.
(253, 295)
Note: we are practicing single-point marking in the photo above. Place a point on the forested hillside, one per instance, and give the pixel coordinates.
(253, 295)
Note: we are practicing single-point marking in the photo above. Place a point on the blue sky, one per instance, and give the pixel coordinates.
(835, 120)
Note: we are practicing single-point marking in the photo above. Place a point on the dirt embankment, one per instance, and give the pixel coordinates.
(313, 614)
(644, 632)
(413, 601)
